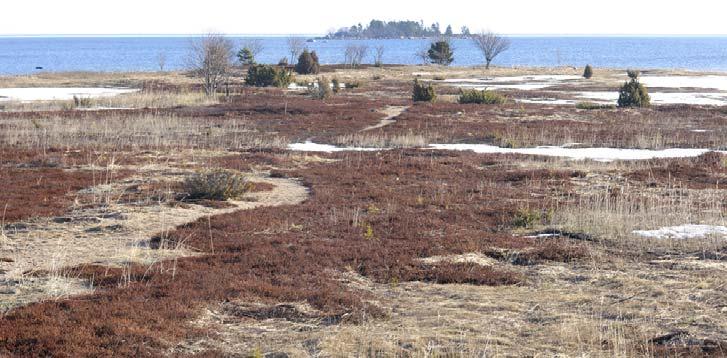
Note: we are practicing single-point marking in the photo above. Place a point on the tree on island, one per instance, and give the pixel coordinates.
(448, 32)
(491, 45)
(441, 53)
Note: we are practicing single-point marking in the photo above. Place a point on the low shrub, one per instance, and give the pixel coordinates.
(526, 218)
(336, 85)
(633, 93)
(591, 105)
(439, 78)
(323, 90)
(353, 84)
(283, 62)
(266, 76)
(481, 97)
(218, 184)
(423, 92)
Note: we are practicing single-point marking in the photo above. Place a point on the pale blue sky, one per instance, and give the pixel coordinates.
(315, 17)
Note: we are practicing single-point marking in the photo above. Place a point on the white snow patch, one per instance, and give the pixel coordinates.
(708, 82)
(59, 93)
(327, 148)
(554, 101)
(597, 154)
(702, 98)
(688, 231)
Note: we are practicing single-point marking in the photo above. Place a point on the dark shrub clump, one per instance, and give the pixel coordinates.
(266, 76)
(441, 53)
(308, 63)
(481, 97)
(588, 72)
(423, 92)
(633, 93)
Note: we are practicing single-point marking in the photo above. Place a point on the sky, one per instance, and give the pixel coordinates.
(285, 17)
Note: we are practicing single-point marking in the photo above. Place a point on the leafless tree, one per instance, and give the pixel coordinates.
(162, 61)
(491, 45)
(379, 55)
(295, 47)
(211, 58)
(254, 45)
(355, 54)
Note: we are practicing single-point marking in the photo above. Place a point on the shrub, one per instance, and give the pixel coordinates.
(353, 84)
(633, 93)
(481, 97)
(336, 85)
(526, 218)
(307, 63)
(588, 72)
(423, 92)
(591, 105)
(283, 62)
(82, 102)
(323, 90)
(218, 184)
(266, 75)
(441, 53)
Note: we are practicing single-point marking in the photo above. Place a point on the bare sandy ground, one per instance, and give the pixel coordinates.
(114, 234)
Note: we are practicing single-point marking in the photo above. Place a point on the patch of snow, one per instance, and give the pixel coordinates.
(327, 148)
(688, 231)
(59, 93)
(708, 82)
(597, 154)
(702, 98)
(547, 101)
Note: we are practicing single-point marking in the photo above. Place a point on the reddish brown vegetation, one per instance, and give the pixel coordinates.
(708, 171)
(375, 214)
(40, 192)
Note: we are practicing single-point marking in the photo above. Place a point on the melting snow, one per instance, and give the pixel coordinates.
(315, 147)
(49, 94)
(598, 154)
(689, 231)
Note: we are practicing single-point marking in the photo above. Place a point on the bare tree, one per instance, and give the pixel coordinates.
(379, 55)
(491, 45)
(355, 54)
(295, 47)
(162, 61)
(211, 58)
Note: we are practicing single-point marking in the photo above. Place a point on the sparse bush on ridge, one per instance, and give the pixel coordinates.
(481, 97)
(267, 75)
(633, 93)
(218, 184)
(588, 72)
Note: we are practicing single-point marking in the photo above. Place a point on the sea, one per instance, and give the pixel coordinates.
(27, 55)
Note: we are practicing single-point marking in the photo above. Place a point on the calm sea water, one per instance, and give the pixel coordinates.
(23, 55)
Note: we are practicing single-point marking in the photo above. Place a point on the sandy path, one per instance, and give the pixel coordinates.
(113, 235)
(391, 112)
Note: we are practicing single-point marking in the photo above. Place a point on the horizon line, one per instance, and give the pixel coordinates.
(322, 35)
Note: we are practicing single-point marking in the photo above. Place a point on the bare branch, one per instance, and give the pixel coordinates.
(295, 47)
(210, 57)
(491, 45)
